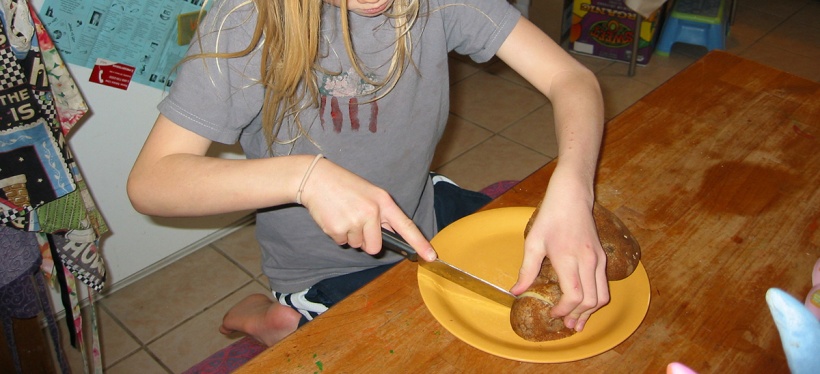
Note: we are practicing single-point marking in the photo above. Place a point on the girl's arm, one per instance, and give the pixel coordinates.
(564, 229)
(173, 177)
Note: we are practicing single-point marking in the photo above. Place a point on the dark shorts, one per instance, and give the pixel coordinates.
(451, 203)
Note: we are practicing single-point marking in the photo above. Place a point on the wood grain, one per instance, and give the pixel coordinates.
(715, 173)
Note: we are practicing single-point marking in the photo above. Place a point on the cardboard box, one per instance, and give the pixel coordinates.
(552, 16)
(607, 29)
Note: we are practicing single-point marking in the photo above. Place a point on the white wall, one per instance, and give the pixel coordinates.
(105, 145)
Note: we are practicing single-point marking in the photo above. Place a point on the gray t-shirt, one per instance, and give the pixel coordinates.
(389, 141)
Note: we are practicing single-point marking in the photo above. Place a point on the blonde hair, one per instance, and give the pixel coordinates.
(287, 33)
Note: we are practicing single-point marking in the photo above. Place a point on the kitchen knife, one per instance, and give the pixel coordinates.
(394, 242)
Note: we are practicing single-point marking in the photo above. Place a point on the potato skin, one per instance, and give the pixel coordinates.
(622, 250)
(530, 313)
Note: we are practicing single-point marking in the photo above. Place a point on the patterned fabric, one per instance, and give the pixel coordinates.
(18, 252)
(297, 300)
(68, 101)
(18, 27)
(22, 289)
(41, 189)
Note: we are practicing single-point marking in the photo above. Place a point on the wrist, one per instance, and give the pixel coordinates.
(575, 184)
(305, 178)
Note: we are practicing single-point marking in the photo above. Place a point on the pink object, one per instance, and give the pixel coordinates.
(678, 368)
(813, 297)
(496, 189)
(230, 358)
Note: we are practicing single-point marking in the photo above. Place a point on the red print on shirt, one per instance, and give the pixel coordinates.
(347, 85)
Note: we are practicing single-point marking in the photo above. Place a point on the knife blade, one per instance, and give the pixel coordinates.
(394, 242)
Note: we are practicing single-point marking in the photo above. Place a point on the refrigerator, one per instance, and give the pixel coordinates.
(105, 144)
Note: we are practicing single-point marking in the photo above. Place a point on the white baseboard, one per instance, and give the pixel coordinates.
(199, 244)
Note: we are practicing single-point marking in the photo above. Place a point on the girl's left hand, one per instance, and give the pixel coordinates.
(565, 232)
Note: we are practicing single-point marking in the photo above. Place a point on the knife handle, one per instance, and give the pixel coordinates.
(394, 242)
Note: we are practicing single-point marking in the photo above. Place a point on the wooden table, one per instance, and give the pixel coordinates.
(716, 173)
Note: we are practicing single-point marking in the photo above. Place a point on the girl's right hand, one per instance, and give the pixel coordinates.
(352, 211)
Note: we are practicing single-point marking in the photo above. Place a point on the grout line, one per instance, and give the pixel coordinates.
(144, 345)
(191, 317)
(178, 255)
(760, 42)
(150, 355)
(766, 10)
(233, 261)
(540, 152)
(197, 313)
(118, 322)
(157, 360)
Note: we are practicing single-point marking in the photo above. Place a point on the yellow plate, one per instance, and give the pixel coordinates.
(490, 245)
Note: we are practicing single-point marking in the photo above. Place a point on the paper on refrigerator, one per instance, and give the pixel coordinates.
(142, 34)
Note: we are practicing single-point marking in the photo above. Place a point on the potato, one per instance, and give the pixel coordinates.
(530, 313)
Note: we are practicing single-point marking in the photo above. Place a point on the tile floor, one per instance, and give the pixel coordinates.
(168, 321)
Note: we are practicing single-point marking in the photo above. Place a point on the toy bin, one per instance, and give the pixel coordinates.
(607, 29)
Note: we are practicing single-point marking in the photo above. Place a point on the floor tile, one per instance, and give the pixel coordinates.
(115, 342)
(459, 136)
(782, 8)
(501, 69)
(808, 14)
(775, 57)
(756, 24)
(138, 363)
(198, 338)
(661, 68)
(242, 247)
(595, 64)
(460, 70)
(154, 305)
(492, 102)
(536, 131)
(798, 38)
(495, 160)
(619, 90)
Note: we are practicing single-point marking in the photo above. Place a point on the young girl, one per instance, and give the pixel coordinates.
(338, 105)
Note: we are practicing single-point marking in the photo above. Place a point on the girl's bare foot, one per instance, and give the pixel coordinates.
(261, 318)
